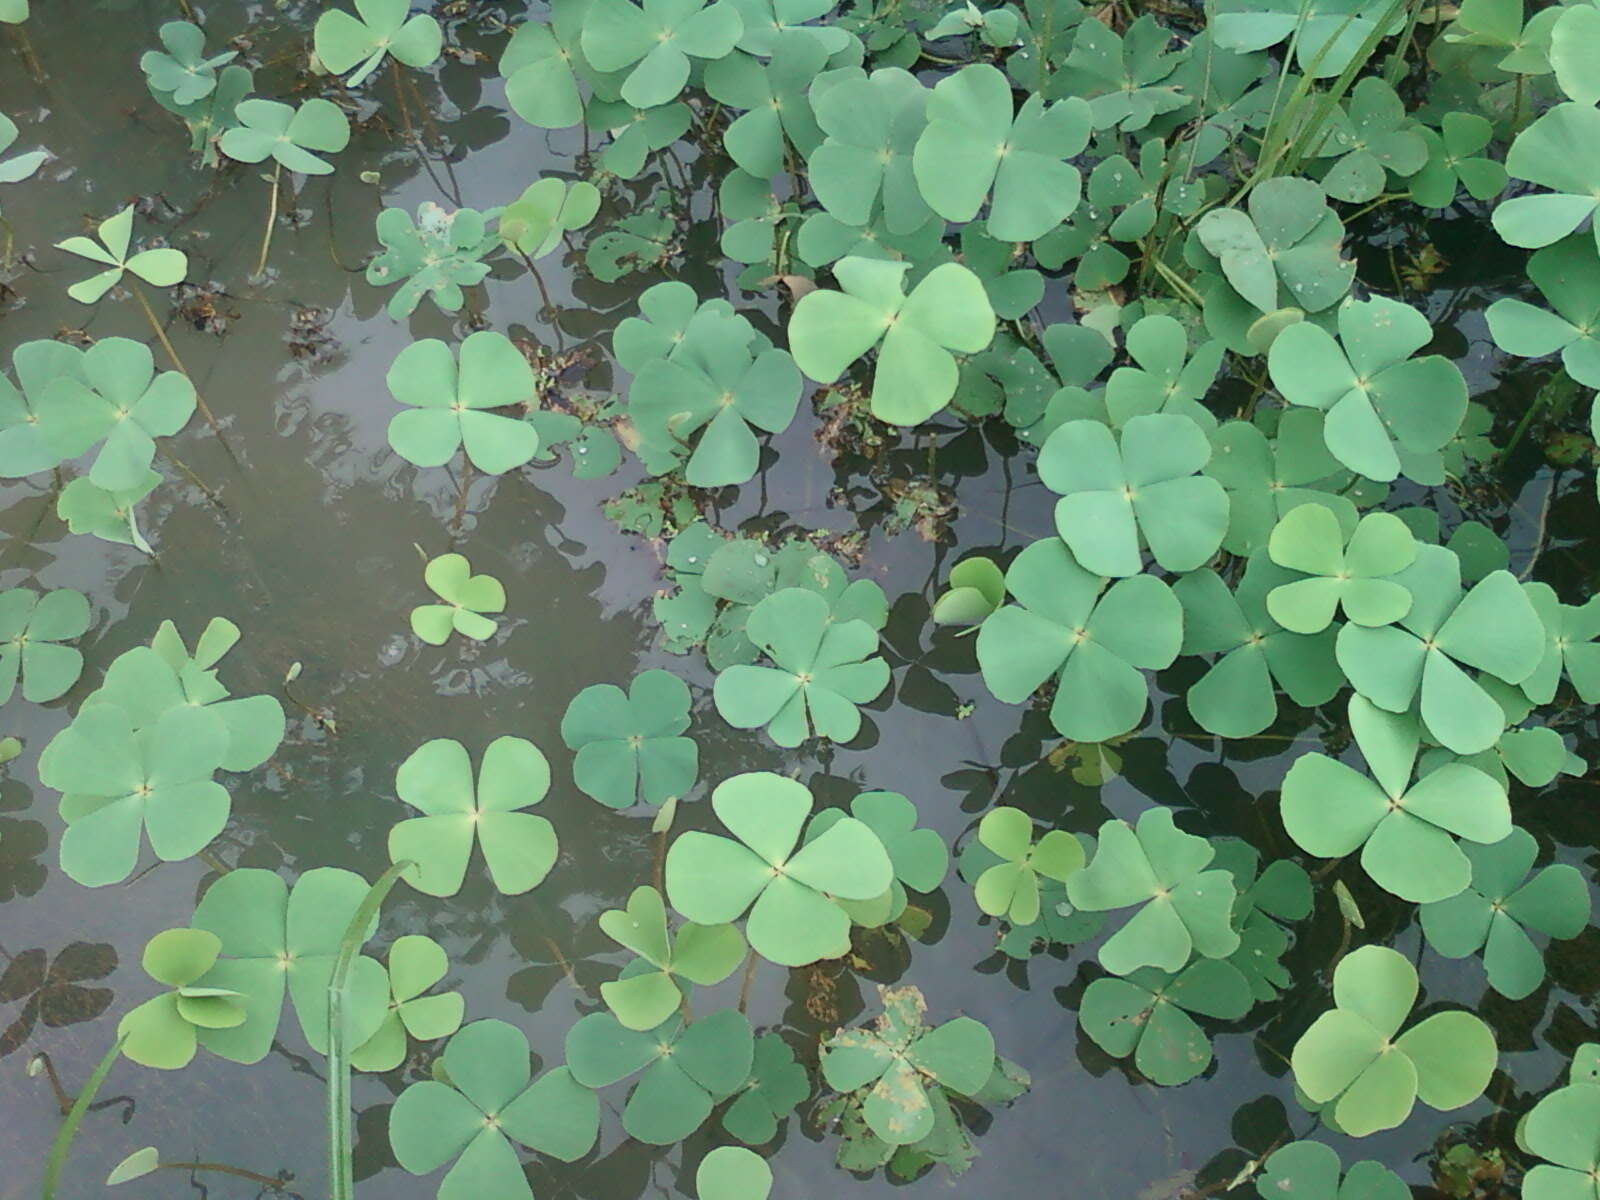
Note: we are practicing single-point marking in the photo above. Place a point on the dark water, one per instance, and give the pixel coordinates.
(313, 557)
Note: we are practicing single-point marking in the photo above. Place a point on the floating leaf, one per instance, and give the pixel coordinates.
(918, 855)
(1558, 151)
(777, 1083)
(1010, 888)
(1564, 1128)
(1311, 1170)
(183, 71)
(1568, 273)
(1328, 34)
(380, 27)
(161, 267)
(1456, 158)
(977, 588)
(774, 96)
(163, 1031)
(1353, 574)
(449, 404)
(655, 42)
(466, 598)
(416, 964)
(32, 626)
(437, 255)
(871, 124)
(535, 222)
(733, 1173)
(1265, 479)
(287, 135)
(632, 742)
(1287, 235)
(1147, 1016)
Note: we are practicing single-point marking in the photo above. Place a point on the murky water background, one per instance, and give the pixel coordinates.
(313, 557)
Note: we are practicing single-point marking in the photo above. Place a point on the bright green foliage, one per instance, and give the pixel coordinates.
(1142, 486)
(1166, 379)
(449, 404)
(915, 333)
(183, 72)
(486, 1100)
(136, 1166)
(275, 940)
(519, 848)
(1568, 273)
(998, 27)
(654, 43)
(1126, 80)
(1328, 33)
(1498, 26)
(977, 588)
(436, 256)
(1560, 151)
(161, 267)
(1406, 831)
(1572, 38)
(416, 964)
(1265, 479)
(1501, 904)
(1564, 1128)
(1364, 1077)
(1093, 640)
(733, 1173)
(1493, 628)
(702, 954)
(288, 135)
(686, 1068)
(821, 671)
(713, 879)
(768, 23)
(1184, 909)
(542, 64)
(21, 166)
(777, 1083)
(632, 743)
(120, 404)
(163, 1031)
(548, 208)
(635, 133)
(1352, 574)
(774, 96)
(973, 143)
(1373, 142)
(466, 598)
(215, 114)
(1058, 923)
(871, 126)
(32, 626)
(1281, 892)
(1570, 646)
(897, 1061)
(919, 856)
(379, 27)
(1311, 1170)
(13, 12)
(1281, 250)
(1237, 697)
(1147, 1015)
(1456, 158)
(1388, 414)
(1010, 888)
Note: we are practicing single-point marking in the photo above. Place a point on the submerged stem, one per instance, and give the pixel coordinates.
(270, 1181)
(166, 344)
(272, 220)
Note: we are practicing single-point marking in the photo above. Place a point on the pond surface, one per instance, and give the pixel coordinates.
(312, 549)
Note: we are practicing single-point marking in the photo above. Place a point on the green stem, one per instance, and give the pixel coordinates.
(62, 1146)
(1175, 281)
(272, 220)
(341, 1166)
(275, 1184)
(172, 353)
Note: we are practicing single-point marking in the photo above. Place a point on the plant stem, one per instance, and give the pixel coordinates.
(62, 1145)
(166, 344)
(1177, 283)
(276, 1185)
(1544, 521)
(749, 974)
(35, 67)
(188, 474)
(341, 1167)
(272, 220)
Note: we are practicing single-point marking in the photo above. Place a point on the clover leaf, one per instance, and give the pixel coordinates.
(918, 855)
(287, 135)
(1571, 35)
(436, 778)
(1501, 904)
(21, 166)
(31, 628)
(183, 71)
(948, 311)
(416, 963)
(1406, 831)
(1374, 141)
(215, 114)
(686, 1068)
(1184, 909)
(632, 742)
(1010, 888)
(542, 64)
(702, 954)
(977, 588)
(163, 1031)
(118, 783)
(1094, 640)
(1455, 160)
(897, 1060)
(1353, 573)
(1282, 892)
(1364, 1077)
(1328, 34)
(161, 267)
(654, 42)
(449, 404)
(1564, 1129)
(121, 405)
(777, 111)
(1125, 79)
(382, 27)
(733, 1173)
(1147, 1016)
(1167, 379)
(466, 598)
(821, 671)
(1144, 484)
(485, 1101)
(1388, 414)
(1237, 697)
(37, 365)
(276, 940)
(1568, 273)
(793, 921)
(1493, 628)
(871, 124)
(1570, 646)
(1559, 152)
(109, 515)
(437, 255)
(13, 12)
(535, 222)
(974, 143)
(1311, 1170)
(777, 1083)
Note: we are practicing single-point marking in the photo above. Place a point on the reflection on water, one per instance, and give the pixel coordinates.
(311, 552)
